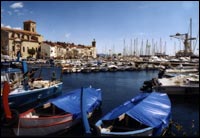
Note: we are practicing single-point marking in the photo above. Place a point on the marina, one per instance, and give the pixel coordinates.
(125, 85)
(100, 69)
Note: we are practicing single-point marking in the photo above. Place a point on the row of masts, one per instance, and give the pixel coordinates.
(141, 47)
(148, 47)
(136, 47)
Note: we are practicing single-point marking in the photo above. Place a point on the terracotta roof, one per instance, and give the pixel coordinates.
(29, 21)
(67, 45)
(49, 43)
(19, 31)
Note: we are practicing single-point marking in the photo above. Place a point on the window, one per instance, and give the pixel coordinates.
(34, 38)
(13, 34)
(13, 48)
(23, 49)
(25, 37)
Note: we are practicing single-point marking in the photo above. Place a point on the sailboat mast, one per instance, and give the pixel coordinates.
(141, 48)
(191, 32)
(124, 50)
(131, 48)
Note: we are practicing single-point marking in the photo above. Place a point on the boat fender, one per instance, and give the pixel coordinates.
(7, 122)
(95, 130)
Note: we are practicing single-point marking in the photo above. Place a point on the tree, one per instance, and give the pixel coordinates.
(31, 51)
(119, 54)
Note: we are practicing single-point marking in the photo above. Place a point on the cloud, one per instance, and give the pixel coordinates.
(67, 35)
(17, 5)
(18, 28)
(9, 12)
(16, 10)
(7, 26)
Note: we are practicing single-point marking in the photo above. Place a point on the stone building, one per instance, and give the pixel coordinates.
(14, 40)
(67, 50)
(49, 49)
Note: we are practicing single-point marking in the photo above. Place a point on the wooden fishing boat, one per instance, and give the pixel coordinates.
(56, 115)
(147, 114)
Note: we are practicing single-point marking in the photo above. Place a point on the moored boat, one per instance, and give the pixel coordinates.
(178, 85)
(27, 91)
(56, 115)
(147, 114)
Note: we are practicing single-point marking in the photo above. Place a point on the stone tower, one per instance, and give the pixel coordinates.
(94, 43)
(30, 26)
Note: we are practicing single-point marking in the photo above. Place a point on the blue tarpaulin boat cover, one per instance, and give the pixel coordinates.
(70, 101)
(152, 109)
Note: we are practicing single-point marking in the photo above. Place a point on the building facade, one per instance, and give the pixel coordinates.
(64, 50)
(14, 40)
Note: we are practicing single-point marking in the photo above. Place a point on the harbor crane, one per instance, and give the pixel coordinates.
(187, 41)
(187, 46)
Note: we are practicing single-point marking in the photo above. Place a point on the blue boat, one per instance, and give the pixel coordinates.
(25, 91)
(147, 114)
(70, 101)
(55, 115)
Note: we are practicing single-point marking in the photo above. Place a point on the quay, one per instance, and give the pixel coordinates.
(117, 64)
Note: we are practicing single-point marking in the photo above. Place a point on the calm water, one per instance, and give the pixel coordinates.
(118, 87)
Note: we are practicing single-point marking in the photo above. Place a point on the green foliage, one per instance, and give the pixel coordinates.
(31, 51)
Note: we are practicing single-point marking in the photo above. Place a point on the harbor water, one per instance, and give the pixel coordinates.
(118, 87)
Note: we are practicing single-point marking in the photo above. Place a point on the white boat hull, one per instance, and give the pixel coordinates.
(144, 132)
(42, 126)
(177, 90)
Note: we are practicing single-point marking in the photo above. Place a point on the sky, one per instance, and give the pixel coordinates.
(115, 25)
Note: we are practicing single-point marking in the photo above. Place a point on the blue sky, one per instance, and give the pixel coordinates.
(109, 22)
